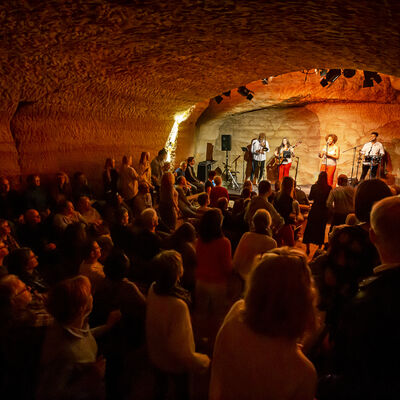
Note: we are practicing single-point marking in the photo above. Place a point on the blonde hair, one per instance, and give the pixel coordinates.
(280, 299)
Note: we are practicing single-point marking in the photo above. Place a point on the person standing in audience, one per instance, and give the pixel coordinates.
(283, 203)
(214, 265)
(261, 201)
(168, 207)
(144, 169)
(217, 191)
(367, 348)
(157, 168)
(10, 201)
(258, 353)
(110, 177)
(318, 216)
(256, 242)
(341, 201)
(169, 332)
(128, 179)
(191, 176)
(183, 189)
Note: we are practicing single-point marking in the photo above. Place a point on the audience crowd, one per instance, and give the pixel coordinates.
(158, 287)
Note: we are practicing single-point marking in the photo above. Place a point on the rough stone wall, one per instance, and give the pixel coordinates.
(83, 79)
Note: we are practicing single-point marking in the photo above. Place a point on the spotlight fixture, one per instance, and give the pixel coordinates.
(227, 94)
(264, 81)
(245, 92)
(370, 77)
(218, 99)
(349, 73)
(330, 77)
(323, 72)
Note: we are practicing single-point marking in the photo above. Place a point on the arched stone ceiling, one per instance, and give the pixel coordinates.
(111, 74)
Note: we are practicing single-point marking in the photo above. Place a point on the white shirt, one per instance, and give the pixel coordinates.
(257, 146)
(372, 149)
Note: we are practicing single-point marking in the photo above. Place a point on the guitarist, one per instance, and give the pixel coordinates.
(284, 154)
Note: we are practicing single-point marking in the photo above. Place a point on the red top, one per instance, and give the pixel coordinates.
(216, 193)
(214, 260)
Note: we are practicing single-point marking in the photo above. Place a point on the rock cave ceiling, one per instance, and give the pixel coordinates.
(159, 57)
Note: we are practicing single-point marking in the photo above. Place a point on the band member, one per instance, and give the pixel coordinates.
(330, 154)
(258, 149)
(373, 152)
(284, 154)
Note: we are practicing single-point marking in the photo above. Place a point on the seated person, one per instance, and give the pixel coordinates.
(61, 190)
(191, 176)
(6, 236)
(89, 213)
(217, 191)
(91, 267)
(35, 197)
(10, 201)
(169, 332)
(80, 187)
(204, 201)
(257, 354)
(70, 367)
(66, 216)
(183, 190)
(210, 182)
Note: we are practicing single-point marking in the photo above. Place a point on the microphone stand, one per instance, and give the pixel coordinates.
(297, 168)
(354, 158)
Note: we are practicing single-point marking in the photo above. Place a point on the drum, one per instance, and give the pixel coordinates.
(367, 159)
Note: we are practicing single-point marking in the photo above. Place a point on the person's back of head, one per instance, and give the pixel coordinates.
(210, 226)
(264, 187)
(70, 299)
(218, 181)
(185, 233)
(203, 199)
(149, 219)
(181, 180)
(212, 175)
(385, 229)
(162, 153)
(287, 186)
(280, 298)
(367, 193)
(117, 265)
(322, 179)
(222, 203)
(246, 193)
(342, 180)
(169, 269)
(261, 221)
(18, 260)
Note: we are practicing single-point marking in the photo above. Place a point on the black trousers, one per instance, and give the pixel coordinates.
(365, 169)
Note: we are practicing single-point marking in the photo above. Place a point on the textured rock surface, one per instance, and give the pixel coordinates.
(80, 80)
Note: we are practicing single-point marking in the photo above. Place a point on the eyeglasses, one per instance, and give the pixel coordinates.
(25, 289)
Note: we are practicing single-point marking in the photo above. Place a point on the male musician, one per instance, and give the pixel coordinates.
(258, 149)
(373, 152)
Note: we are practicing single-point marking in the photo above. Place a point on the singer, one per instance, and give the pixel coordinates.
(258, 149)
(330, 154)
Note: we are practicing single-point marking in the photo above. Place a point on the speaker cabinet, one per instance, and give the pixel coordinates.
(226, 142)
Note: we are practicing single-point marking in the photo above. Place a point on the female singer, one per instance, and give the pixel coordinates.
(284, 154)
(330, 154)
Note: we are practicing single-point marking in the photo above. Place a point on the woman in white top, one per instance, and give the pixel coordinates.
(253, 243)
(330, 154)
(144, 169)
(128, 179)
(257, 354)
(169, 331)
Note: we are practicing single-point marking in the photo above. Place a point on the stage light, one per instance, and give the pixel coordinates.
(249, 96)
(330, 76)
(370, 77)
(227, 94)
(243, 91)
(349, 73)
(218, 99)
